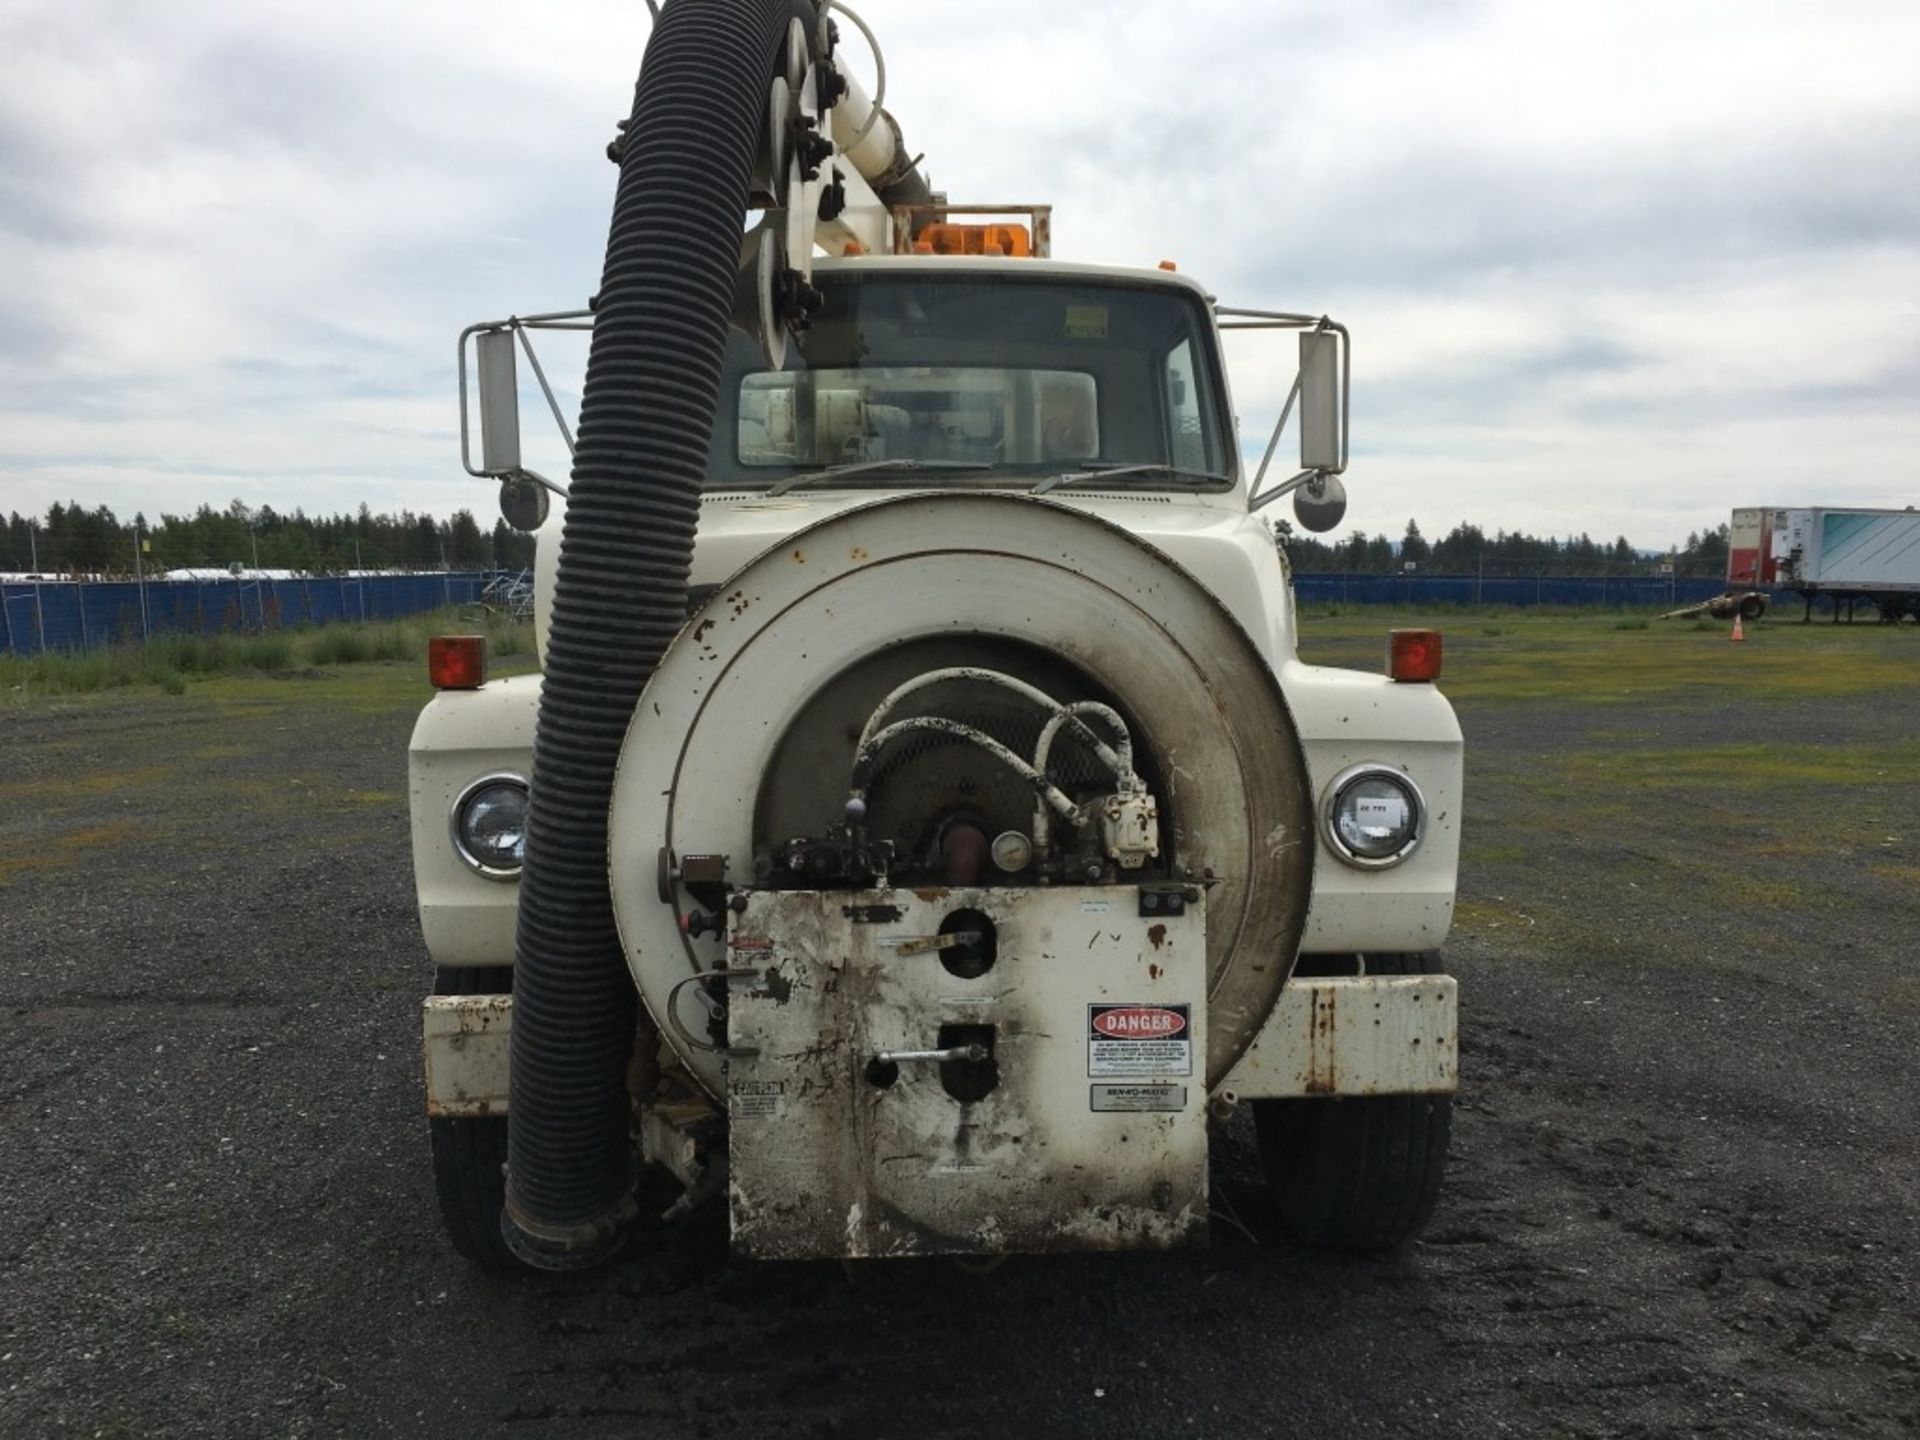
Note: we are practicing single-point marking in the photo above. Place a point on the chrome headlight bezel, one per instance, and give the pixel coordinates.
(1330, 811)
(457, 816)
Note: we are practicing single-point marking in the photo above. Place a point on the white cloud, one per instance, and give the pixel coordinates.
(1613, 269)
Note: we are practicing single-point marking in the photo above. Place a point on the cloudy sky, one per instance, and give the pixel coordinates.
(1613, 268)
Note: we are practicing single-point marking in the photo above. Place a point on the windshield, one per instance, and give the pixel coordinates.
(971, 381)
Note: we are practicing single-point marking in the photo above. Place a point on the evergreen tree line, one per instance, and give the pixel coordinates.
(73, 540)
(1469, 550)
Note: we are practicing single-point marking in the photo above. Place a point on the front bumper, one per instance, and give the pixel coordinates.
(1355, 1035)
(1333, 1036)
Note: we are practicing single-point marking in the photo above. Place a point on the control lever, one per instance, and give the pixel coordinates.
(975, 1053)
(931, 944)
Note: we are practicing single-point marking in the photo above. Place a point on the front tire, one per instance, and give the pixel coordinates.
(1362, 1172)
(470, 1155)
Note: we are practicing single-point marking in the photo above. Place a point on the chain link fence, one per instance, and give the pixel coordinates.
(40, 614)
(1417, 590)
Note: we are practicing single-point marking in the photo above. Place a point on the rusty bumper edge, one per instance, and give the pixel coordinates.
(1355, 1035)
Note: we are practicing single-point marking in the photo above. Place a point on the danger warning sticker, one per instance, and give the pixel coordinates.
(1131, 1041)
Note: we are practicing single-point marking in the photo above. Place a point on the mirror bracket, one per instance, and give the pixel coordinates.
(1285, 487)
(494, 343)
(1321, 388)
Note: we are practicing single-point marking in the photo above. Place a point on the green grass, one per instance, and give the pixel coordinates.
(1643, 786)
(1603, 657)
(65, 851)
(1740, 766)
(170, 663)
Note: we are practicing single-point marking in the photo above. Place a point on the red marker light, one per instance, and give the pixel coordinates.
(1413, 654)
(457, 662)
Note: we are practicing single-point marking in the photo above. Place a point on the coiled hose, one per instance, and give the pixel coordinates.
(653, 378)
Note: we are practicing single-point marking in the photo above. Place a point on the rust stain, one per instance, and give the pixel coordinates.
(1321, 1079)
(799, 557)
(932, 893)
(1153, 972)
(859, 552)
(1156, 935)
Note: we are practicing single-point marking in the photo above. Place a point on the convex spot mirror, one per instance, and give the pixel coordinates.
(1320, 504)
(523, 502)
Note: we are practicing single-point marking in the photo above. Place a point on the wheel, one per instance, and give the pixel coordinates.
(1363, 1172)
(470, 1156)
(1752, 607)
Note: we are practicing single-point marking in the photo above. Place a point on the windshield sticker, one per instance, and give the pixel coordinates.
(1086, 322)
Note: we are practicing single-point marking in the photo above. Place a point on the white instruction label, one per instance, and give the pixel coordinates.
(1139, 1041)
(756, 1097)
(1134, 1099)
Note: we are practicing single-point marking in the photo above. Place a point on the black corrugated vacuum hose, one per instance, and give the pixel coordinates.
(653, 377)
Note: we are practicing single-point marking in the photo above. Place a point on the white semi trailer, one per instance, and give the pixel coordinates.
(1856, 557)
(922, 834)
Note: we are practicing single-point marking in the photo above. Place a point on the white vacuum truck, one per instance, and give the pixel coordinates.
(922, 835)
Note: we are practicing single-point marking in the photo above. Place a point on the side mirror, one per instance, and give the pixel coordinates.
(499, 404)
(1320, 504)
(1320, 401)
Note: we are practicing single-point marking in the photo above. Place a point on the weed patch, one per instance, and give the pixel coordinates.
(62, 852)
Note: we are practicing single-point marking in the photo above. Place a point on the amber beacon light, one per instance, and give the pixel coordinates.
(1413, 654)
(457, 662)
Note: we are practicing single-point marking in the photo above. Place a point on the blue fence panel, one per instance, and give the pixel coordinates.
(77, 615)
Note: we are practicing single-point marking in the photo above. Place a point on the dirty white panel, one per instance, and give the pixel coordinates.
(1092, 1136)
(465, 1041)
(1356, 1035)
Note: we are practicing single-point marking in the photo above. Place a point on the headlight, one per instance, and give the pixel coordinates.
(490, 826)
(1373, 816)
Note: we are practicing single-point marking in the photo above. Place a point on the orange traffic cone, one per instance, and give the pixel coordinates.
(1739, 635)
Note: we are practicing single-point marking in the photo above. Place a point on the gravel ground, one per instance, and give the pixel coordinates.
(1682, 1197)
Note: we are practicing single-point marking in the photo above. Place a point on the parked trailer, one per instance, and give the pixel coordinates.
(1855, 556)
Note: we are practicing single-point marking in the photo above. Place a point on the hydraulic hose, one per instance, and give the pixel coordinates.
(652, 381)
